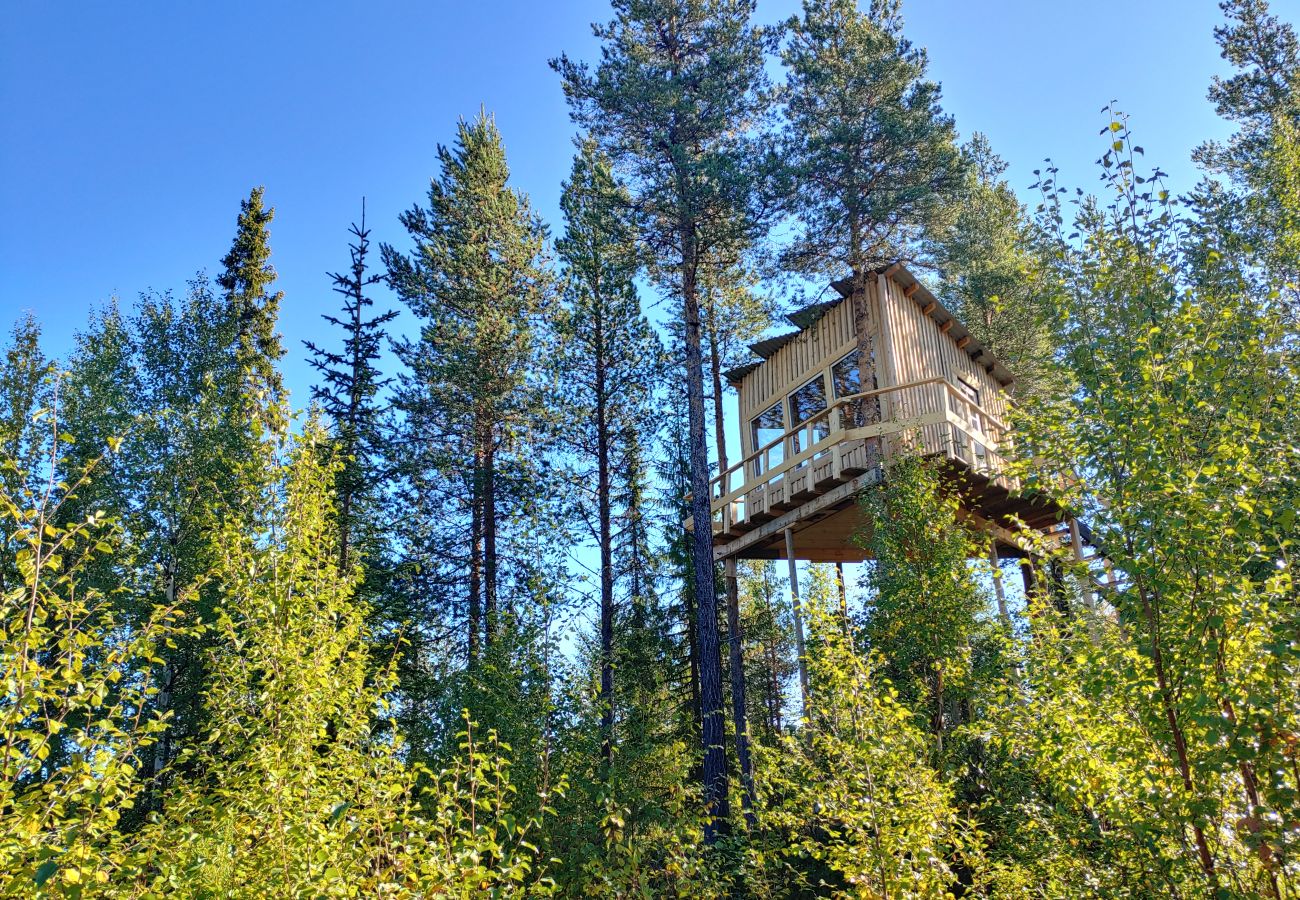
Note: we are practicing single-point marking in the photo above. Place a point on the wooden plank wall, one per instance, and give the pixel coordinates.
(921, 350)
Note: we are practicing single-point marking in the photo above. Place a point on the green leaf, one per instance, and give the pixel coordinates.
(44, 871)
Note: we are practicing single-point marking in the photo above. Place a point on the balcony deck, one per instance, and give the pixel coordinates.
(807, 480)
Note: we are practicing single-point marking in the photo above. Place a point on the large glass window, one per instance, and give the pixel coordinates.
(846, 380)
(845, 375)
(804, 403)
(765, 428)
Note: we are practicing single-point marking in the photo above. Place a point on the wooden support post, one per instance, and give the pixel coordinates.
(998, 589)
(798, 621)
(844, 603)
(736, 660)
(1030, 576)
(1085, 579)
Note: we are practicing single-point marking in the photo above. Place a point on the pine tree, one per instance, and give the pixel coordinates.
(1252, 214)
(612, 361)
(874, 157)
(478, 281)
(674, 101)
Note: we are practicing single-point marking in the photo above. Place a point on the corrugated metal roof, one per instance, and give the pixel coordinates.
(734, 376)
(807, 316)
(765, 348)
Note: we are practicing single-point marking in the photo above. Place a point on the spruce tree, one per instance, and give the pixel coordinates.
(247, 277)
(674, 101)
(349, 395)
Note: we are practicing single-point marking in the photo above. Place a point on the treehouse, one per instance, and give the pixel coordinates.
(826, 404)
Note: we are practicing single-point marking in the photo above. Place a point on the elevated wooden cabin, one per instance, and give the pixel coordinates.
(817, 421)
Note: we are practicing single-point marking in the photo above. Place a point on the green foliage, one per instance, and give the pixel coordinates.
(76, 722)
(926, 607)
(1180, 444)
(851, 804)
(300, 786)
(875, 158)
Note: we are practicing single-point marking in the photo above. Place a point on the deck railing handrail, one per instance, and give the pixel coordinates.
(720, 479)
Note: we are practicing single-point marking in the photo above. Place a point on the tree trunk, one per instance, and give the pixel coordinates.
(712, 730)
(866, 412)
(604, 503)
(738, 712)
(490, 543)
(798, 621)
(476, 559)
(736, 656)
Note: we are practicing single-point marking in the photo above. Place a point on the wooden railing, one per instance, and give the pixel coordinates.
(931, 415)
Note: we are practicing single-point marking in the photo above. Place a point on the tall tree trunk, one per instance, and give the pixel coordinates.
(604, 503)
(693, 651)
(476, 559)
(712, 728)
(490, 615)
(736, 656)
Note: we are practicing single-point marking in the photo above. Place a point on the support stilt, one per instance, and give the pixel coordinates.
(998, 588)
(1084, 578)
(798, 620)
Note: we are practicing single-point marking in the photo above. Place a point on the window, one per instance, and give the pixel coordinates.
(975, 421)
(765, 428)
(973, 417)
(805, 402)
(846, 380)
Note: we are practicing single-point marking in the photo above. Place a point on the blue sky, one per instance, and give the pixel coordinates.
(131, 131)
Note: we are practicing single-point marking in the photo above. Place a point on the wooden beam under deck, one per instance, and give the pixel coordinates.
(838, 500)
(825, 526)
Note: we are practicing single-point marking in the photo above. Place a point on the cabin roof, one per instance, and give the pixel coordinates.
(805, 317)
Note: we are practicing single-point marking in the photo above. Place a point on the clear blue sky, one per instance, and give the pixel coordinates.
(131, 131)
